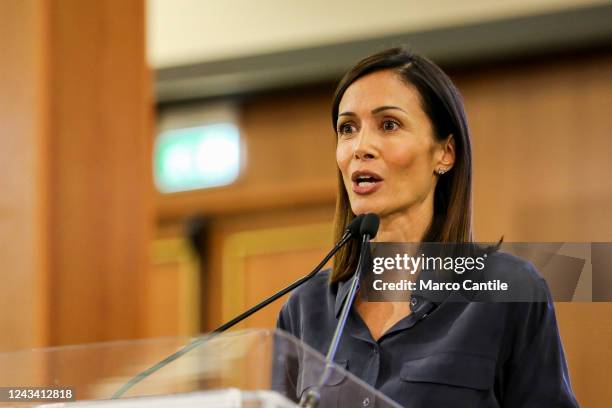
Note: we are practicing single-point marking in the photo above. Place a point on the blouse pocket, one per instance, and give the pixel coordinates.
(449, 379)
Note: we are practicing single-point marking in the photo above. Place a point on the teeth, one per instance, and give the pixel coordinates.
(366, 179)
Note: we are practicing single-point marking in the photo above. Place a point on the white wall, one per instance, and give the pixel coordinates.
(190, 31)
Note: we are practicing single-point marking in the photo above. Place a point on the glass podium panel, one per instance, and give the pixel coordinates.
(252, 368)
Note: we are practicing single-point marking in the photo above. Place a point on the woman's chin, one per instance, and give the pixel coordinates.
(365, 209)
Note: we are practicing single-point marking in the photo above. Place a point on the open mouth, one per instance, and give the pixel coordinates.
(365, 182)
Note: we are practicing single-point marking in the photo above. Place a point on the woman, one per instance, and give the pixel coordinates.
(403, 152)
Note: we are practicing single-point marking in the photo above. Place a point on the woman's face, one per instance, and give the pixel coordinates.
(386, 149)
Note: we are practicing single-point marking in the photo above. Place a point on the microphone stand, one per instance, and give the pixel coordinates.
(312, 398)
(195, 343)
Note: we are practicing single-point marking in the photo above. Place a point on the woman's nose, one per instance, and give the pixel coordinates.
(364, 147)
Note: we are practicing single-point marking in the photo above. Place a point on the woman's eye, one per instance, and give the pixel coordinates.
(345, 129)
(389, 125)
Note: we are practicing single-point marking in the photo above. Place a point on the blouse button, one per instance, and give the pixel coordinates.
(413, 301)
(366, 402)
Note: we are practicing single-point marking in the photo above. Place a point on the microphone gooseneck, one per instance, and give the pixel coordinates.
(353, 230)
(368, 230)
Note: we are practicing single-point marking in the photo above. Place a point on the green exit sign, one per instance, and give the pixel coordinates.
(197, 157)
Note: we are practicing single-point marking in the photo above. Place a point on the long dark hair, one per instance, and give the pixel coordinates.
(441, 101)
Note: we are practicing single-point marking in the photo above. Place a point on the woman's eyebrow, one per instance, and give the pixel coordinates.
(387, 107)
(375, 111)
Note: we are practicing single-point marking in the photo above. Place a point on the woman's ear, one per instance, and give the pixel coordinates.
(447, 155)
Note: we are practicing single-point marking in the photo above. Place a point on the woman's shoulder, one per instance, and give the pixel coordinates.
(524, 281)
(499, 261)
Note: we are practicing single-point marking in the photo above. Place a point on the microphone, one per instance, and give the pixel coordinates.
(369, 226)
(367, 230)
(354, 229)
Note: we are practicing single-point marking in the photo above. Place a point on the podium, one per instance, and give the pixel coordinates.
(251, 368)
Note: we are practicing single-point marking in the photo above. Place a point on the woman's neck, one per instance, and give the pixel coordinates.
(408, 226)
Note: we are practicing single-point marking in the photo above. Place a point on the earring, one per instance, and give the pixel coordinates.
(441, 171)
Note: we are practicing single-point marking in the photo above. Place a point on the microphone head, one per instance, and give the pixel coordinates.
(355, 225)
(369, 225)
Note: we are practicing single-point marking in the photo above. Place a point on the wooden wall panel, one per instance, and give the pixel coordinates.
(267, 273)
(76, 210)
(541, 141)
(173, 294)
(217, 300)
(100, 211)
(260, 262)
(23, 141)
(586, 332)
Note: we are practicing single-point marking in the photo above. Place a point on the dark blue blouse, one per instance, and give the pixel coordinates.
(445, 353)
